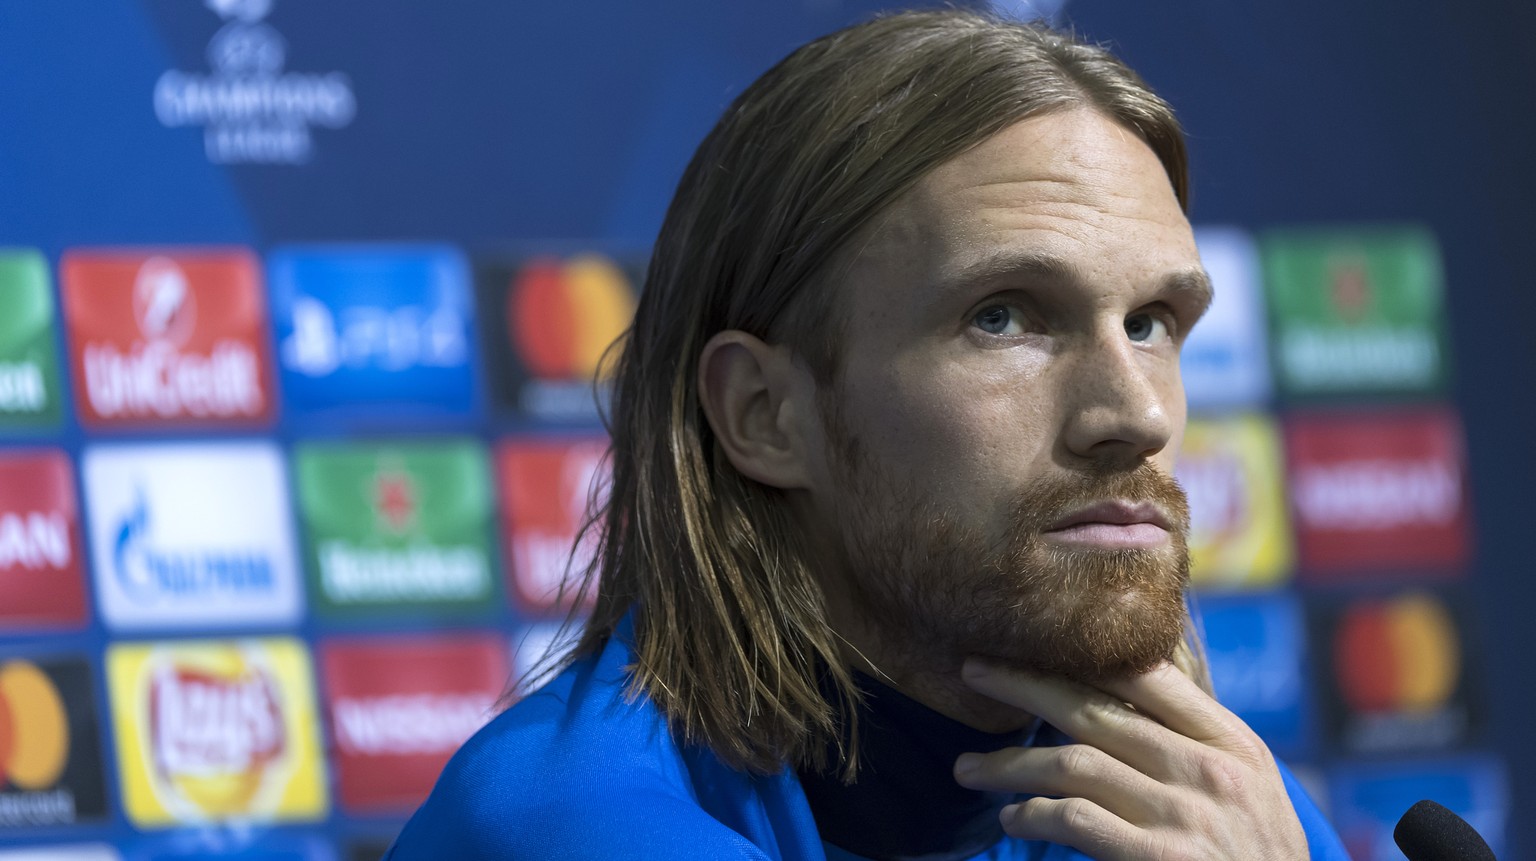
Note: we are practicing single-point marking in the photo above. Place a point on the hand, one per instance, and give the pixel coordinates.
(1159, 771)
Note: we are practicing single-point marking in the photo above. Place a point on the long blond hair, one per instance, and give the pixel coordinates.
(732, 640)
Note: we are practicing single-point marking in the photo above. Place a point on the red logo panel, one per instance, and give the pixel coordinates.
(1378, 493)
(42, 579)
(399, 707)
(173, 338)
(545, 489)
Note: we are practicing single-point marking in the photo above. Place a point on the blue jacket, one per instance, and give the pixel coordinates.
(574, 771)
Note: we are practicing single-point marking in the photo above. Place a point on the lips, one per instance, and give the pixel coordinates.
(1114, 513)
(1113, 525)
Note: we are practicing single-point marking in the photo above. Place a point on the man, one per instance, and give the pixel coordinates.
(892, 565)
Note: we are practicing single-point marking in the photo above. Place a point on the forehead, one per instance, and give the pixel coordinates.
(1072, 185)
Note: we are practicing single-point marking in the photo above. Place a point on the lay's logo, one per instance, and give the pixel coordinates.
(206, 724)
(216, 731)
(1239, 534)
(558, 318)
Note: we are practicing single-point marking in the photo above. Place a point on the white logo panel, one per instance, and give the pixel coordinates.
(191, 535)
(1224, 363)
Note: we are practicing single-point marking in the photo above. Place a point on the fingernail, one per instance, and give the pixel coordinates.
(967, 763)
(1008, 814)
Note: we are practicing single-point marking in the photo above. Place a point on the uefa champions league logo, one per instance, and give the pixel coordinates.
(251, 110)
(1030, 10)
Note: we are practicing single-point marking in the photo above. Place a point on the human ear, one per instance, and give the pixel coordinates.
(755, 396)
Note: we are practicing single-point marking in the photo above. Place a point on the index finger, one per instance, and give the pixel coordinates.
(1086, 714)
(1171, 698)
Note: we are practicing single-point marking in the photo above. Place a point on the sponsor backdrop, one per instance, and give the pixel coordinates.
(300, 413)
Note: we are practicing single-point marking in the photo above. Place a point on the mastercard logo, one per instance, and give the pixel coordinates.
(564, 315)
(34, 729)
(1401, 654)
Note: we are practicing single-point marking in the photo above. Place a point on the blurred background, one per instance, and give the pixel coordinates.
(300, 301)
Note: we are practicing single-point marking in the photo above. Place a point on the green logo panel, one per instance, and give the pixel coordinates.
(390, 527)
(1355, 311)
(29, 367)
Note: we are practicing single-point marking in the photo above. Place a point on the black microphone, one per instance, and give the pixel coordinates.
(1430, 832)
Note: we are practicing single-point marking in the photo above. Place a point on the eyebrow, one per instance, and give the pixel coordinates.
(1192, 284)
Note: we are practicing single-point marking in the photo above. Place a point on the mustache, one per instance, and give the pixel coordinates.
(1046, 500)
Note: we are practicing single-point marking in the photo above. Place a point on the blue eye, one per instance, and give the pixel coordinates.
(1143, 328)
(998, 320)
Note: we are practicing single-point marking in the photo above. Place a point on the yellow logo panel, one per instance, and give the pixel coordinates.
(1240, 534)
(216, 730)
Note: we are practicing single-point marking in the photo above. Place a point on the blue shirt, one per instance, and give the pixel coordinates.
(575, 771)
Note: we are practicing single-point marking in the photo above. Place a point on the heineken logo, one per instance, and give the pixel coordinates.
(1351, 288)
(1369, 355)
(353, 574)
(397, 524)
(1355, 311)
(394, 498)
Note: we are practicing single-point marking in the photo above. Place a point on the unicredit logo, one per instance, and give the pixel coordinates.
(166, 337)
(156, 377)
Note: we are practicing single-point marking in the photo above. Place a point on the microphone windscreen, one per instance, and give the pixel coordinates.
(1430, 832)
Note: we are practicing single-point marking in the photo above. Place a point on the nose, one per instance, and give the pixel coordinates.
(1123, 405)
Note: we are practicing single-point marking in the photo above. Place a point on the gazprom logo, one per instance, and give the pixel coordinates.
(147, 572)
(191, 535)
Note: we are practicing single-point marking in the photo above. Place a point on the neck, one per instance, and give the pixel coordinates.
(904, 803)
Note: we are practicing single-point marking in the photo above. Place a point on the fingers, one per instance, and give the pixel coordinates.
(1174, 700)
(1170, 711)
(1085, 714)
(1074, 770)
(1159, 770)
(1079, 823)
